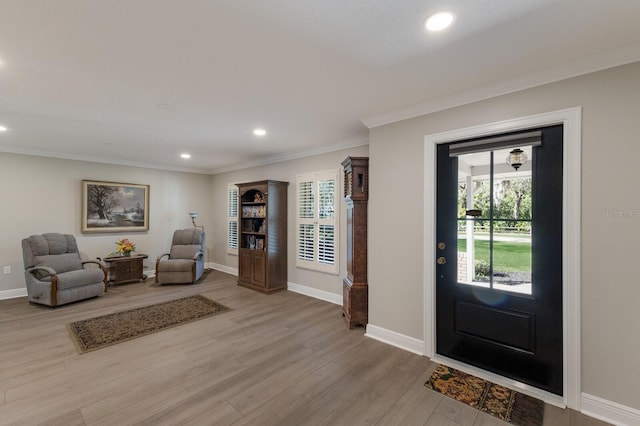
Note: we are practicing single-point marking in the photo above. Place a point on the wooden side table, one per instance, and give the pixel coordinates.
(125, 269)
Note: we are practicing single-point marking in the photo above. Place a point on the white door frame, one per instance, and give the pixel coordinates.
(571, 119)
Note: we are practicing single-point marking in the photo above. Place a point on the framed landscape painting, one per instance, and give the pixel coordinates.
(114, 207)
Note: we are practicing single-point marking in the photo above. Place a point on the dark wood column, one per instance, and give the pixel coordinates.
(355, 290)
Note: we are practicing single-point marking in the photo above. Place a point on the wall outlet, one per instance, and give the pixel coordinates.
(6, 270)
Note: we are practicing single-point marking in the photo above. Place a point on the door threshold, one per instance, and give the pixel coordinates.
(547, 397)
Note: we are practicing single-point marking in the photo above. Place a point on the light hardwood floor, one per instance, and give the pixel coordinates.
(282, 359)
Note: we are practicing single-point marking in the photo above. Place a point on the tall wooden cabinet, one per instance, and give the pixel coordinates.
(355, 289)
(262, 223)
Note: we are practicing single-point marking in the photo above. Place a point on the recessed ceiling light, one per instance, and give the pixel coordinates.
(3, 129)
(185, 156)
(259, 132)
(440, 21)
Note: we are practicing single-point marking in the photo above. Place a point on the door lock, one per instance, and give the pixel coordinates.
(441, 260)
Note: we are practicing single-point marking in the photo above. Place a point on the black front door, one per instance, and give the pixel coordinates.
(499, 255)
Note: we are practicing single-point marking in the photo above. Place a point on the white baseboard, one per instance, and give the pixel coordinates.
(315, 293)
(609, 411)
(12, 294)
(296, 288)
(222, 268)
(398, 340)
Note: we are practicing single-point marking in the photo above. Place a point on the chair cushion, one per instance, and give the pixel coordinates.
(79, 278)
(60, 263)
(189, 236)
(175, 265)
(52, 243)
(184, 252)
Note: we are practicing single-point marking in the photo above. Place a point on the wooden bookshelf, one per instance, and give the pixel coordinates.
(262, 222)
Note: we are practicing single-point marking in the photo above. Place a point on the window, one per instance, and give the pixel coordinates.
(317, 221)
(232, 219)
(494, 215)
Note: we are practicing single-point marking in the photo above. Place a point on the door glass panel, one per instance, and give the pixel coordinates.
(494, 221)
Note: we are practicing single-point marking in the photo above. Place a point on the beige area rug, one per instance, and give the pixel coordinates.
(503, 403)
(106, 330)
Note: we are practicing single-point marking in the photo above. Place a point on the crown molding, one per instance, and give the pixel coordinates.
(64, 156)
(267, 160)
(361, 141)
(582, 66)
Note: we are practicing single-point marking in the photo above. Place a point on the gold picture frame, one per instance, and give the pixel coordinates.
(114, 207)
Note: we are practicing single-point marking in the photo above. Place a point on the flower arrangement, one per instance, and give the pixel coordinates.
(125, 247)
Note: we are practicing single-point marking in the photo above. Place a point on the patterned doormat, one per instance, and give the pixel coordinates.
(106, 330)
(501, 402)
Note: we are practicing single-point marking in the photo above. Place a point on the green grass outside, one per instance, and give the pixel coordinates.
(508, 256)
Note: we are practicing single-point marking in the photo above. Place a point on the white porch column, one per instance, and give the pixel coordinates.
(470, 223)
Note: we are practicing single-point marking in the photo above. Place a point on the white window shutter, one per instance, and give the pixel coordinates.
(233, 235)
(306, 203)
(317, 221)
(326, 244)
(232, 219)
(305, 242)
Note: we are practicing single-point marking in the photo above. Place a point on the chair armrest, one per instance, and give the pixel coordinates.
(161, 256)
(197, 255)
(100, 263)
(48, 270)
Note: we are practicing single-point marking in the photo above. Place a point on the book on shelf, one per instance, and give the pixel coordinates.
(252, 242)
(253, 225)
(254, 211)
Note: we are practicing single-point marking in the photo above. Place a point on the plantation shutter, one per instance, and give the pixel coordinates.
(232, 219)
(317, 221)
(306, 219)
(326, 220)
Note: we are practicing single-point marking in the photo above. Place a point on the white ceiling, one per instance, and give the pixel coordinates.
(140, 81)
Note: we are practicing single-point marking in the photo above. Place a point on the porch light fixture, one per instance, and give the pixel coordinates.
(517, 158)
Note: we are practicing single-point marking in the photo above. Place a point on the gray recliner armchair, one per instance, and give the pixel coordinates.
(185, 263)
(54, 272)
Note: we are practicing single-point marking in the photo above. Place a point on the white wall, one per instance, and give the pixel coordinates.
(45, 195)
(610, 218)
(286, 171)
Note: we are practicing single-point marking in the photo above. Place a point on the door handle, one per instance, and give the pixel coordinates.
(441, 260)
